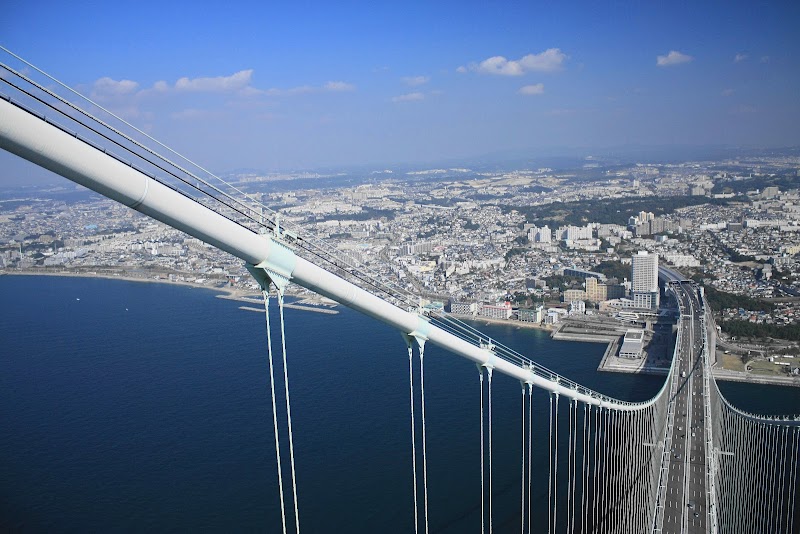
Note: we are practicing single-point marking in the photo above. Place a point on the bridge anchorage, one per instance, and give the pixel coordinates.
(684, 461)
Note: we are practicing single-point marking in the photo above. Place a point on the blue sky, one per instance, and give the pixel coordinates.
(306, 84)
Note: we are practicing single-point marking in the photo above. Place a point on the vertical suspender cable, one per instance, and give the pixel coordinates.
(629, 487)
(574, 466)
(530, 458)
(762, 467)
(421, 345)
(569, 459)
(288, 411)
(483, 491)
(550, 473)
(573, 461)
(785, 474)
(587, 413)
(788, 486)
(770, 474)
(773, 477)
(780, 477)
(603, 480)
(489, 373)
(633, 488)
(274, 410)
(748, 428)
(413, 433)
(595, 499)
(555, 468)
(793, 484)
(522, 480)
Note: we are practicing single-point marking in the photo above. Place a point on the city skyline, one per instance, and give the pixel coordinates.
(280, 87)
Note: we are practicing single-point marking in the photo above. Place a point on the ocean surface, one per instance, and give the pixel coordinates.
(130, 406)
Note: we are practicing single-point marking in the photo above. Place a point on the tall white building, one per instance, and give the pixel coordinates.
(540, 235)
(573, 233)
(644, 280)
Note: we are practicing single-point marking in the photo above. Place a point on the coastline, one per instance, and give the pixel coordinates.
(128, 278)
(491, 320)
(156, 278)
(609, 362)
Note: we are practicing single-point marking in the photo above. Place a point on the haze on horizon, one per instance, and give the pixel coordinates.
(314, 84)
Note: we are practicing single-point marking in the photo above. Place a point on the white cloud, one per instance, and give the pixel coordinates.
(764, 59)
(727, 92)
(500, 65)
(106, 87)
(673, 58)
(414, 81)
(129, 94)
(338, 86)
(409, 97)
(217, 84)
(462, 70)
(550, 60)
(738, 58)
(535, 89)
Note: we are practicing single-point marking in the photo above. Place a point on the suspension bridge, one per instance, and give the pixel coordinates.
(684, 461)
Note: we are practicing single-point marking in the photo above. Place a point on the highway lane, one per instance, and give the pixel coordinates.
(686, 503)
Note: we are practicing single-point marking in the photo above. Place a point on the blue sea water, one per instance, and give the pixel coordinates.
(127, 406)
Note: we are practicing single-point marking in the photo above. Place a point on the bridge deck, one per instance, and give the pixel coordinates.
(686, 497)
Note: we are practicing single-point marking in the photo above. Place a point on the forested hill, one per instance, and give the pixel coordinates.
(607, 210)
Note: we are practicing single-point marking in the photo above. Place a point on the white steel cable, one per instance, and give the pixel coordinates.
(274, 410)
(596, 502)
(489, 386)
(555, 470)
(288, 411)
(761, 470)
(522, 483)
(550, 473)
(783, 491)
(604, 478)
(595, 493)
(570, 463)
(784, 476)
(530, 458)
(793, 485)
(779, 477)
(421, 346)
(773, 478)
(483, 491)
(413, 433)
(587, 413)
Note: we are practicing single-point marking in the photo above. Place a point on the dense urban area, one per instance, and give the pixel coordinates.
(537, 246)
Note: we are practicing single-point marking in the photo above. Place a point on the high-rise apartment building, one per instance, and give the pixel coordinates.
(644, 280)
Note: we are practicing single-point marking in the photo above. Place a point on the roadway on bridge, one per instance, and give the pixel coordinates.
(686, 504)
